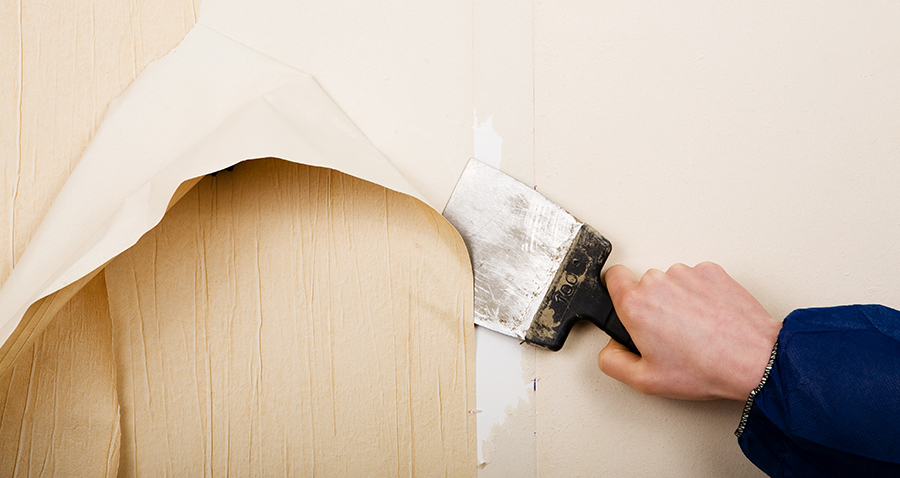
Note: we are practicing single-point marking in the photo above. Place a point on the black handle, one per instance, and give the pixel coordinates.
(577, 293)
(597, 308)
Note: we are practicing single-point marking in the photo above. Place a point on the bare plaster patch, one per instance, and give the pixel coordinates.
(488, 144)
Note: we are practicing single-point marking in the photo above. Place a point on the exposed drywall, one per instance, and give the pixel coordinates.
(284, 319)
(507, 425)
(511, 448)
(503, 80)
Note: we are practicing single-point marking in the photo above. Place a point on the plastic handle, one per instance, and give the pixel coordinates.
(577, 293)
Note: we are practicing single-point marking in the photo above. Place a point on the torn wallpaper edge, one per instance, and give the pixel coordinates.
(246, 105)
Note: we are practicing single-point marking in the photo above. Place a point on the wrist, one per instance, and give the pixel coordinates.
(753, 358)
(748, 405)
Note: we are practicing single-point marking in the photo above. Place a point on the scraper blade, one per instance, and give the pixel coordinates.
(537, 267)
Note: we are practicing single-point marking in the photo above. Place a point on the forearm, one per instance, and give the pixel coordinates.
(831, 404)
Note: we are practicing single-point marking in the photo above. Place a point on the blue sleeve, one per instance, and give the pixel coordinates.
(831, 405)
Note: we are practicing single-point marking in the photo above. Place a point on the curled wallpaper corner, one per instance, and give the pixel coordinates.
(223, 103)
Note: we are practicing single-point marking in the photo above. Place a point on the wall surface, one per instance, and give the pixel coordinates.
(61, 64)
(286, 320)
(762, 136)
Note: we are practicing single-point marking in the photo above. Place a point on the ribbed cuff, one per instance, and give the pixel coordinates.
(749, 405)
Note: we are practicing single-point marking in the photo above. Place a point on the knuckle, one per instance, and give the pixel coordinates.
(652, 276)
(710, 267)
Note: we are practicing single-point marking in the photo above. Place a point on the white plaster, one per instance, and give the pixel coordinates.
(499, 357)
(488, 144)
(499, 380)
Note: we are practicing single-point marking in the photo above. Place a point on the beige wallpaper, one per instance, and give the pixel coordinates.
(762, 136)
(62, 64)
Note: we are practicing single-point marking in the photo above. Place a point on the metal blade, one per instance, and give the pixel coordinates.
(517, 240)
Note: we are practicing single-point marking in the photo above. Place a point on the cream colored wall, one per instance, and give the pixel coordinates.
(763, 136)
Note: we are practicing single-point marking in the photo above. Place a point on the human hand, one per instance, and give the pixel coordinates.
(701, 335)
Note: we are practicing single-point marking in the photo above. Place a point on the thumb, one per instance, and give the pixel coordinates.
(620, 363)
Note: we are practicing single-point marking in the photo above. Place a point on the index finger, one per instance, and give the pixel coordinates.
(619, 280)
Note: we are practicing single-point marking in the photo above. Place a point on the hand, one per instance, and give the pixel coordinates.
(701, 335)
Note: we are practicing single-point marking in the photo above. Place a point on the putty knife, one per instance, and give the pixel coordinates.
(537, 267)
